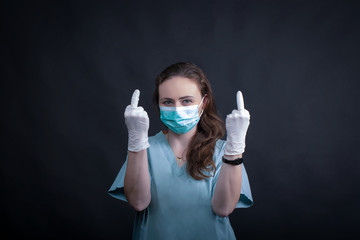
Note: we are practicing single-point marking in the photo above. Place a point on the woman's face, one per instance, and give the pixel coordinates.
(180, 92)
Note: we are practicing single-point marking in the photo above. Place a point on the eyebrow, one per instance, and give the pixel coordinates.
(179, 98)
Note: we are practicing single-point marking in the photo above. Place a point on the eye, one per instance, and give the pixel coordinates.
(187, 101)
(167, 102)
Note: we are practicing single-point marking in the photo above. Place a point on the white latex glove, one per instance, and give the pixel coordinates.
(237, 124)
(137, 122)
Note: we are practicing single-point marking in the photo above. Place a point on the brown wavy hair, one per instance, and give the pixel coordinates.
(210, 128)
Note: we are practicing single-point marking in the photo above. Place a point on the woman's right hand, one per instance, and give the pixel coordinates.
(137, 122)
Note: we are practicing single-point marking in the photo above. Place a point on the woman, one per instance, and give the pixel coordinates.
(184, 182)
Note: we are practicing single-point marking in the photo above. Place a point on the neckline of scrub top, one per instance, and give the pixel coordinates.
(178, 171)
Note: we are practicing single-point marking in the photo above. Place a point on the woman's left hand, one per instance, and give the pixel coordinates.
(237, 124)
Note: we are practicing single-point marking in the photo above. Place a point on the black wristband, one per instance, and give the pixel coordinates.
(237, 161)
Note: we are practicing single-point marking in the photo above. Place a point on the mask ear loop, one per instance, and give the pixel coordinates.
(200, 105)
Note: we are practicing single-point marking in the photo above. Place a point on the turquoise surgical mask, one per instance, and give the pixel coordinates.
(181, 119)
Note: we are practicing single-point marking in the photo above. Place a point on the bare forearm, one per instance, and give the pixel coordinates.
(137, 180)
(228, 188)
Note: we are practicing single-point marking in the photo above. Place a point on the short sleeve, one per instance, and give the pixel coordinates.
(245, 200)
(117, 188)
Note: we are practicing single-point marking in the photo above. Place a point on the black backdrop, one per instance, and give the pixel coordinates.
(69, 70)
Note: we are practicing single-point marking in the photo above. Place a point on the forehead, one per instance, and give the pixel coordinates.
(177, 87)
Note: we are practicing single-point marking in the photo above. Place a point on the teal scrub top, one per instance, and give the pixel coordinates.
(180, 206)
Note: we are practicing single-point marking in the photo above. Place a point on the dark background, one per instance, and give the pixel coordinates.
(69, 70)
